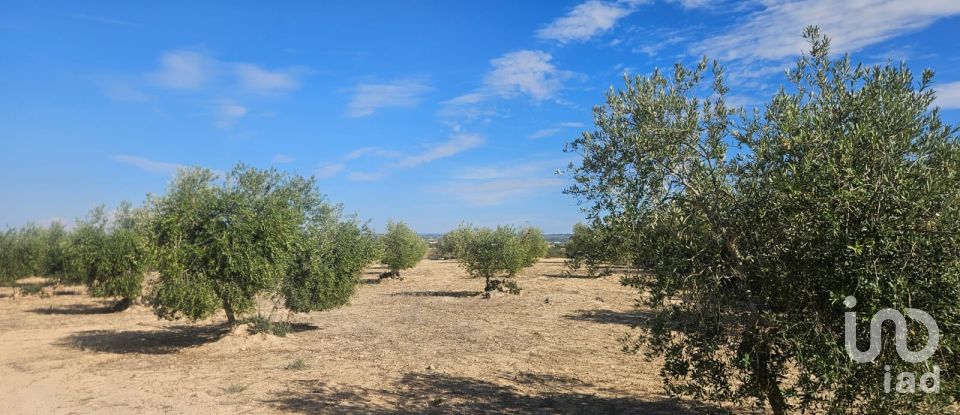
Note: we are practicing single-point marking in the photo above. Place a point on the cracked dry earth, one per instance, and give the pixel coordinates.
(426, 344)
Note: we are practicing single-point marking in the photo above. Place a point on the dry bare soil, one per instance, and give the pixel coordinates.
(428, 343)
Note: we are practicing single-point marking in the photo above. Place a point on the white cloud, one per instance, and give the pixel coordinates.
(327, 171)
(471, 98)
(282, 159)
(948, 95)
(371, 151)
(368, 98)
(516, 169)
(228, 112)
(586, 20)
(148, 165)
(495, 192)
(774, 32)
(259, 80)
(183, 70)
(526, 72)
(692, 4)
(460, 142)
(366, 176)
(121, 90)
(551, 131)
(105, 20)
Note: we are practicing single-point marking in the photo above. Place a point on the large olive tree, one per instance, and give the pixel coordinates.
(255, 234)
(755, 228)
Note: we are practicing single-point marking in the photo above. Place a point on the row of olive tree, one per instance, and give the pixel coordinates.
(216, 244)
(33, 251)
(756, 226)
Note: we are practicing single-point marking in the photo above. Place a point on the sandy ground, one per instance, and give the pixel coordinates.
(428, 343)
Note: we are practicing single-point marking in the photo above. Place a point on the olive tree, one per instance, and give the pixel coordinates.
(402, 248)
(756, 226)
(593, 248)
(498, 253)
(255, 234)
(33, 251)
(534, 244)
(451, 243)
(110, 253)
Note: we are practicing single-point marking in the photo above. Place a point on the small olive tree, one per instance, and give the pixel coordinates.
(535, 245)
(110, 253)
(451, 243)
(402, 248)
(499, 253)
(224, 244)
(756, 227)
(593, 248)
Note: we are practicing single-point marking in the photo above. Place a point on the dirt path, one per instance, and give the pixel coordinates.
(428, 343)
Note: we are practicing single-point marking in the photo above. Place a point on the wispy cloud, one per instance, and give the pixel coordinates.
(460, 142)
(527, 72)
(282, 159)
(148, 165)
(183, 70)
(496, 192)
(773, 33)
(556, 129)
(119, 89)
(105, 20)
(586, 20)
(371, 151)
(327, 171)
(948, 95)
(256, 79)
(489, 185)
(368, 98)
(359, 176)
(514, 169)
(228, 112)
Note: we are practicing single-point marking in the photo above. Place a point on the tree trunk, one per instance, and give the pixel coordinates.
(769, 382)
(231, 317)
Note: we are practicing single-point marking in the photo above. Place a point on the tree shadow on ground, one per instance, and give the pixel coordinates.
(163, 341)
(76, 309)
(455, 294)
(418, 393)
(627, 318)
(573, 276)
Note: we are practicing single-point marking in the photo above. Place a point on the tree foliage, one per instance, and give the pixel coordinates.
(402, 247)
(451, 243)
(111, 252)
(594, 248)
(255, 234)
(755, 227)
(33, 251)
(500, 252)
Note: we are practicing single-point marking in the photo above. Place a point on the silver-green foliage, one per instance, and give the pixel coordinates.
(111, 252)
(255, 234)
(33, 251)
(757, 226)
(402, 247)
(503, 251)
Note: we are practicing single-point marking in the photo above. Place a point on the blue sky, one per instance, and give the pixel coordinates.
(433, 112)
